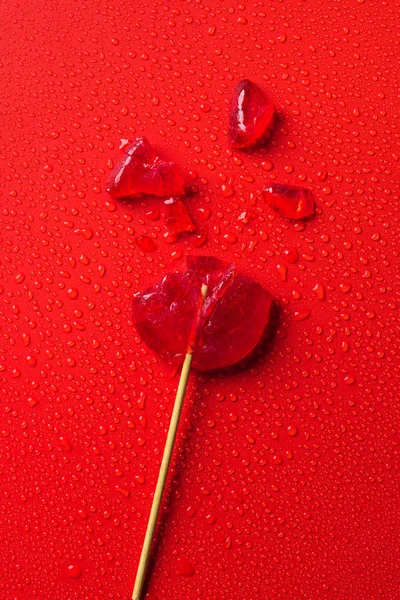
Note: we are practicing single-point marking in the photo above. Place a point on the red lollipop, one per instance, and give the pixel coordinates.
(210, 315)
(231, 321)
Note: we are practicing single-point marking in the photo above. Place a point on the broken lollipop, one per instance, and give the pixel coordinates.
(232, 320)
(210, 316)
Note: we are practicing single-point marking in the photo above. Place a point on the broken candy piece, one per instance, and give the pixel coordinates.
(142, 171)
(177, 218)
(290, 201)
(251, 116)
(204, 265)
(231, 322)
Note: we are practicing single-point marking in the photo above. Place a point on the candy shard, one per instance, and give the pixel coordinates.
(231, 322)
(177, 218)
(251, 116)
(142, 171)
(204, 264)
(290, 201)
(142, 148)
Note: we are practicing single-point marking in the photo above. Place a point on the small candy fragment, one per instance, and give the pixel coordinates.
(290, 201)
(200, 236)
(177, 218)
(142, 171)
(251, 116)
(231, 321)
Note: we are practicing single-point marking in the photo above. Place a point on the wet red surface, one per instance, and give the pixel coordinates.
(285, 481)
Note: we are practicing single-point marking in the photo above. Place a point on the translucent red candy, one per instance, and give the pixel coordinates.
(177, 218)
(290, 201)
(230, 323)
(142, 171)
(251, 116)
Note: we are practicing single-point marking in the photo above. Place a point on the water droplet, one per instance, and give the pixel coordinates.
(74, 571)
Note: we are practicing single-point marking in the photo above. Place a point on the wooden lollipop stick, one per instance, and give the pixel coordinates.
(162, 476)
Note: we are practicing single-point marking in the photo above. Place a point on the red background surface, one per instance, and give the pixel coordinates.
(286, 476)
